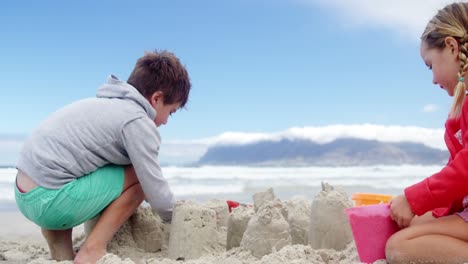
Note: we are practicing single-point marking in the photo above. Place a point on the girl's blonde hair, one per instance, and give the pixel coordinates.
(451, 21)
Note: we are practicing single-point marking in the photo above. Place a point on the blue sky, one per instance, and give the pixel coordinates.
(256, 66)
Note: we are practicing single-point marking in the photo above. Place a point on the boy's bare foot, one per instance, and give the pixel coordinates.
(89, 256)
(59, 252)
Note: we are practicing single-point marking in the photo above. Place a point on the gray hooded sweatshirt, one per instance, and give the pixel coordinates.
(117, 127)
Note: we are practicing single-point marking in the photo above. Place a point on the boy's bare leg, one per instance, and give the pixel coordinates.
(112, 218)
(60, 243)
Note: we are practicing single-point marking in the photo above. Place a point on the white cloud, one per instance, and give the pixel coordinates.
(408, 18)
(174, 152)
(430, 108)
(429, 137)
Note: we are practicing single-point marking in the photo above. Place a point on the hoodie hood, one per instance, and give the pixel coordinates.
(115, 88)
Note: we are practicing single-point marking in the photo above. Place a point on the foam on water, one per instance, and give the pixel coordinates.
(207, 180)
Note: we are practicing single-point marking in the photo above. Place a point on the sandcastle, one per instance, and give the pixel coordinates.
(268, 229)
(193, 231)
(329, 227)
(208, 230)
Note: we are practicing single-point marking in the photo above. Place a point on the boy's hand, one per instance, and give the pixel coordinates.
(400, 211)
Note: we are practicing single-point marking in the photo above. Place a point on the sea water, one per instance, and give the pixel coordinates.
(240, 182)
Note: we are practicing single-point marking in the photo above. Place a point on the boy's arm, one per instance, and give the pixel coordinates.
(141, 140)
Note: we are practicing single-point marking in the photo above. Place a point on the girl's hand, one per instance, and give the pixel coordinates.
(400, 211)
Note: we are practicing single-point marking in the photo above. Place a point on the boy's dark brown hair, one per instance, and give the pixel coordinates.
(161, 71)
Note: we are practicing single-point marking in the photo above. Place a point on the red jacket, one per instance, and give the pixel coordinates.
(443, 192)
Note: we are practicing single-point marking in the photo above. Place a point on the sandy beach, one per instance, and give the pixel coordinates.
(267, 230)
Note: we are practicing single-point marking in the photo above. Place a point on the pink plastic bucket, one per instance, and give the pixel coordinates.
(371, 226)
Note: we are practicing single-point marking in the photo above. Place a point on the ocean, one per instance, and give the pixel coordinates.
(240, 183)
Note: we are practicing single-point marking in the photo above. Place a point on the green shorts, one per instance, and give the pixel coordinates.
(76, 202)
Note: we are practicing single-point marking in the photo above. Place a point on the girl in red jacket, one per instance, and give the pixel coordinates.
(434, 212)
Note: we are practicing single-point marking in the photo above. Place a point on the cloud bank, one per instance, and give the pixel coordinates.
(407, 18)
(325, 134)
(179, 150)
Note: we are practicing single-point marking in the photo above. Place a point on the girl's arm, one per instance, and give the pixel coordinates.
(443, 192)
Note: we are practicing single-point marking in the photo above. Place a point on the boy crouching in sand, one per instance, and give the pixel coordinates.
(100, 156)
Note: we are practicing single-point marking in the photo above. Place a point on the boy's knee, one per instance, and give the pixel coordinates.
(140, 193)
(137, 193)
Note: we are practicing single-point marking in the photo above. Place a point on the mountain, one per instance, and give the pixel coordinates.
(341, 152)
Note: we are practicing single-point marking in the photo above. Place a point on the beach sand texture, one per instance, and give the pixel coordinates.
(268, 231)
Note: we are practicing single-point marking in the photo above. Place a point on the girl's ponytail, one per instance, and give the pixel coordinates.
(460, 89)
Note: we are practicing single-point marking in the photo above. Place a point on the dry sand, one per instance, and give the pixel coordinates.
(268, 231)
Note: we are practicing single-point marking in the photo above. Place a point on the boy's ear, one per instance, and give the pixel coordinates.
(156, 97)
(452, 44)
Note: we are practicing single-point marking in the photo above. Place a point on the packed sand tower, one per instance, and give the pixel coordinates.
(237, 224)
(299, 210)
(221, 209)
(267, 230)
(148, 232)
(193, 231)
(143, 235)
(329, 227)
